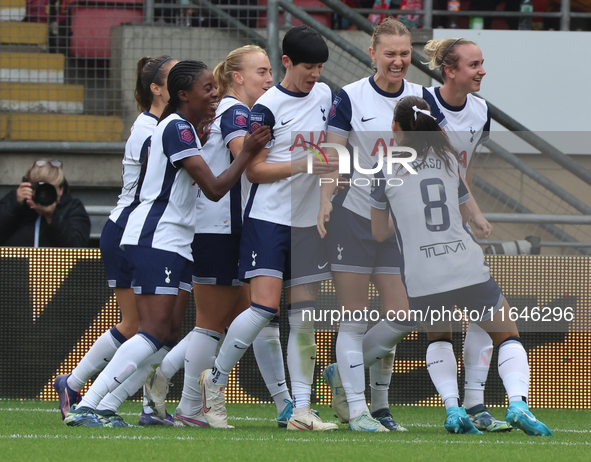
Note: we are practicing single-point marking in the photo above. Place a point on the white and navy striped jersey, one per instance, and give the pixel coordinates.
(296, 120)
(224, 216)
(467, 125)
(362, 112)
(165, 217)
(135, 153)
(439, 254)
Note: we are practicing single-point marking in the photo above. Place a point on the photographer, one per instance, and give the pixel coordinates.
(41, 212)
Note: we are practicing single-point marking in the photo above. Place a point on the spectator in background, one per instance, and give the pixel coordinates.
(576, 6)
(491, 5)
(41, 212)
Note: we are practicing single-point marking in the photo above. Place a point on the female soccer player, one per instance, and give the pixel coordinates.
(151, 95)
(242, 78)
(358, 118)
(279, 243)
(468, 124)
(424, 211)
(158, 235)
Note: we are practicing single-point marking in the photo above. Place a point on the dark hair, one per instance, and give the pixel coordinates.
(181, 77)
(302, 44)
(149, 71)
(421, 131)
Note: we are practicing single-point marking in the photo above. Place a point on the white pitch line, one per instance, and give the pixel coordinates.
(288, 440)
(263, 419)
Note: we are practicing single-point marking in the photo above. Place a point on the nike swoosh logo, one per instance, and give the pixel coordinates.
(106, 360)
(312, 357)
(352, 366)
(323, 266)
(506, 361)
(307, 427)
(378, 358)
(285, 123)
(363, 119)
(281, 384)
(236, 346)
(382, 384)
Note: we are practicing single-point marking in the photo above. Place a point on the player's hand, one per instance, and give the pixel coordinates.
(203, 131)
(24, 192)
(322, 167)
(45, 211)
(254, 142)
(482, 228)
(323, 217)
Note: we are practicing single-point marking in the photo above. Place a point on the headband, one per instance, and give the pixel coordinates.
(447, 51)
(422, 111)
(157, 69)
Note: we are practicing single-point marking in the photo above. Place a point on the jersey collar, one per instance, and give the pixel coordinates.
(291, 93)
(385, 93)
(448, 106)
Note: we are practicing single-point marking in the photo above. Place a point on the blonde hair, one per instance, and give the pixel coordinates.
(234, 62)
(47, 174)
(389, 26)
(444, 53)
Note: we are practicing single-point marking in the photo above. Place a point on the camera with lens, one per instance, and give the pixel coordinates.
(44, 194)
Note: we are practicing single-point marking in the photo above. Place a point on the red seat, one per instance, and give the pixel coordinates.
(91, 28)
(324, 18)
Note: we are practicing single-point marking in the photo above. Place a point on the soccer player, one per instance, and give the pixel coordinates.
(242, 78)
(158, 235)
(151, 95)
(423, 210)
(468, 124)
(279, 243)
(359, 117)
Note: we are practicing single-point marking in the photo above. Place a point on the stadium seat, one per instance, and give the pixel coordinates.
(32, 67)
(63, 127)
(42, 97)
(324, 18)
(91, 27)
(23, 33)
(13, 10)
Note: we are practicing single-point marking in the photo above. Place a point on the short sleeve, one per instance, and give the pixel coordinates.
(378, 199)
(339, 120)
(435, 111)
(179, 141)
(486, 130)
(463, 193)
(234, 123)
(261, 115)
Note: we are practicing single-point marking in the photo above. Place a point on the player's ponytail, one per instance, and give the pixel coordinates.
(181, 77)
(149, 71)
(443, 53)
(421, 131)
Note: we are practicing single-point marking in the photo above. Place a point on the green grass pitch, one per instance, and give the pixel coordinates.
(33, 431)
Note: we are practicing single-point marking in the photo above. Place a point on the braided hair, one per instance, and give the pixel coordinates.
(421, 131)
(181, 77)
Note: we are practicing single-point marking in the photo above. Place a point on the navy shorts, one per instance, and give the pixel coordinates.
(295, 255)
(352, 248)
(116, 264)
(215, 259)
(158, 271)
(480, 300)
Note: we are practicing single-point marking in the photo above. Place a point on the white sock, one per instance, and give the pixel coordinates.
(174, 361)
(125, 362)
(113, 400)
(240, 336)
(478, 349)
(200, 356)
(96, 358)
(349, 351)
(380, 375)
(514, 369)
(269, 356)
(301, 354)
(442, 367)
(381, 339)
